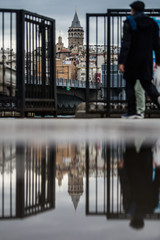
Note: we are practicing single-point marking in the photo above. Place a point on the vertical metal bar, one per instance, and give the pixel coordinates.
(3, 160)
(27, 63)
(43, 60)
(40, 52)
(105, 176)
(20, 60)
(3, 56)
(87, 179)
(104, 83)
(11, 83)
(118, 158)
(27, 168)
(108, 180)
(108, 64)
(112, 166)
(30, 62)
(33, 182)
(118, 79)
(20, 181)
(96, 181)
(43, 173)
(96, 60)
(36, 60)
(39, 176)
(87, 62)
(11, 180)
(51, 175)
(53, 66)
(36, 173)
(121, 28)
(112, 84)
(33, 88)
(29, 186)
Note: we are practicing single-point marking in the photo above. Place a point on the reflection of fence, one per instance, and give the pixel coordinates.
(27, 62)
(104, 31)
(31, 185)
(104, 190)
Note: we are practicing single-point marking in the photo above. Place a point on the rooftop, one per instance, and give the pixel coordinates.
(76, 22)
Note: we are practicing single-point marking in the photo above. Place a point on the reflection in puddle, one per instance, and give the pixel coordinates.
(114, 179)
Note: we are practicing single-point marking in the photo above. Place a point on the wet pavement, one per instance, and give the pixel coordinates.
(79, 179)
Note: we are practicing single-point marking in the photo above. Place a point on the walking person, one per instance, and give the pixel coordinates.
(139, 184)
(140, 38)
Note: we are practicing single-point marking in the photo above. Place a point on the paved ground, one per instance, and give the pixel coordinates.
(73, 130)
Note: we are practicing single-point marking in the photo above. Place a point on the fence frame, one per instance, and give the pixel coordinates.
(107, 42)
(46, 102)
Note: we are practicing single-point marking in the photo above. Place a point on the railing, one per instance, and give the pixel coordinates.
(27, 176)
(103, 37)
(27, 62)
(120, 171)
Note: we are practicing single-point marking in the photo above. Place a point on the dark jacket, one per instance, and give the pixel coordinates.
(140, 38)
(140, 191)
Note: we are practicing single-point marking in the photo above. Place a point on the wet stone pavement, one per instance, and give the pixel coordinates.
(97, 179)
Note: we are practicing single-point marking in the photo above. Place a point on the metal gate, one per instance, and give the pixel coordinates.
(107, 187)
(103, 38)
(27, 63)
(27, 177)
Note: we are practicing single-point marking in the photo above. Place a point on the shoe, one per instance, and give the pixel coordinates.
(140, 115)
(129, 116)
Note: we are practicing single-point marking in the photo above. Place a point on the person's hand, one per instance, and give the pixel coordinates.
(121, 68)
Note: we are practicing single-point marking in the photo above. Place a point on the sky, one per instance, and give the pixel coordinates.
(63, 10)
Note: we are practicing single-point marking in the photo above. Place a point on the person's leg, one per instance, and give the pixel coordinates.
(140, 97)
(130, 95)
(150, 88)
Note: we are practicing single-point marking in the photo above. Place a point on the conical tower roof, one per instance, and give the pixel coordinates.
(75, 200)
(76, 22)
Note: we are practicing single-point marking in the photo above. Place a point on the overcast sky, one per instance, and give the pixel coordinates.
(63, 10)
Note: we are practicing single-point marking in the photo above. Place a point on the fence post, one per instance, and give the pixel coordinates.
(20, 170)
(53, 65)
(20, 94)
(87, 62)
(87, 179)
(43, 59)
(108, 64)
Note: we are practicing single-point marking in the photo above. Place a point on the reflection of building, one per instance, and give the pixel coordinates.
(71, 162)
(75, 188)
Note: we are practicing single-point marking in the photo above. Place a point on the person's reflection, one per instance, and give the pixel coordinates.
(140, 188)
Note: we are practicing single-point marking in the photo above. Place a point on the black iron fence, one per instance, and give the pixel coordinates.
(27, 177)
(117, 173)
(27, 63)
(103, 38)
